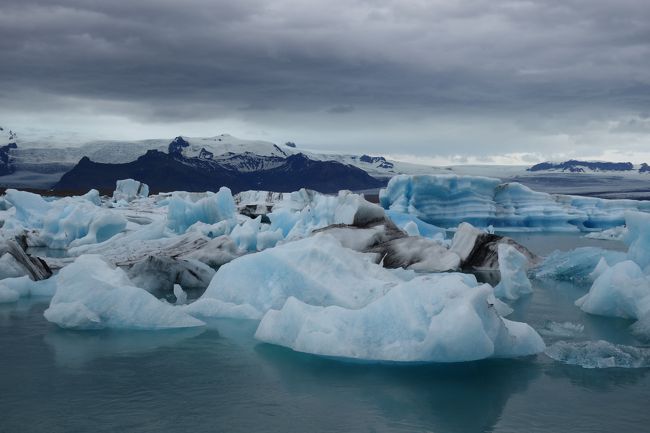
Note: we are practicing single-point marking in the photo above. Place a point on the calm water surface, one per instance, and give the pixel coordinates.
(219, 379)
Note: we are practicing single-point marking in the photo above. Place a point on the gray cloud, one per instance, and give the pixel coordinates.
(341, 109)
(547, 68)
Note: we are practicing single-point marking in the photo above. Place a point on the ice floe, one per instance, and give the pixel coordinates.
(599, 354)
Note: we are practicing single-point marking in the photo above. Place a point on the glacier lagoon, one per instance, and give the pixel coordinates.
(219, 378)
(112, 257)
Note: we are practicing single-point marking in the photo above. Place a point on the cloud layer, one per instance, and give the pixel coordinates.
(474, 78)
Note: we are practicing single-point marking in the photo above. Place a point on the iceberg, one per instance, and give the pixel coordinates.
(23, 287)
(183, 212)
(317, 270)
(638, 238)
(128, 190)
(61, 223)
(447, 200)
(438, 318)
(92, 294)
(622, 290)
(617, 233)
(302, 212)
(513, 267)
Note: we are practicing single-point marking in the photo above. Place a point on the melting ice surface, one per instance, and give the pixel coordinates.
(320, 294)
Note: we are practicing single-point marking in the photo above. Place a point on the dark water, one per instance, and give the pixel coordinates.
(219, 379)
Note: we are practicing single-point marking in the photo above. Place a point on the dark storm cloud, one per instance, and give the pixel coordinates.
(187, 60)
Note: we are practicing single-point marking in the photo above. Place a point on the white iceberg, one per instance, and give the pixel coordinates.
(11, 289)
(622, 290)
(513, 267)
(128, 190)
(302, 212)
(182, 212)
(91, 294)
(317, 270)
(438, 318)
(62, 223)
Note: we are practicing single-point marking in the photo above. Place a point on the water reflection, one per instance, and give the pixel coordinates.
(597, 379)
(76, 348)
(467, 397)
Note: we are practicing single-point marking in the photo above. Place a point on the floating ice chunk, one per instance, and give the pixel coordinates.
(182, 212)
(513, 267)
(129, 189)
(92, 294)
(599, 354)
(638, 238)
(317, 270)
(305, 211)
(428, 319)
(252, 235)
(577, 264)
(25, 287)
(62, 222)
(622, 290)
(30, 208)
(562, 329)
(465, 240)
(617, 233)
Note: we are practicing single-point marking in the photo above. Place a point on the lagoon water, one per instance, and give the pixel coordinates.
(219, 379)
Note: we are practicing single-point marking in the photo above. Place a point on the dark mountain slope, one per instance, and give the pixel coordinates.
(172, 172)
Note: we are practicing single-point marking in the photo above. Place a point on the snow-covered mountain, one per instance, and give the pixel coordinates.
(41, 166)
(576, 166)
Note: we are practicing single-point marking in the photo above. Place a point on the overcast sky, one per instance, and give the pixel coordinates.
(440, 81)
